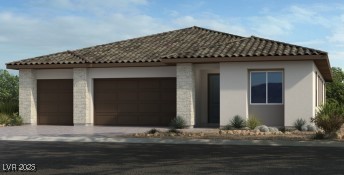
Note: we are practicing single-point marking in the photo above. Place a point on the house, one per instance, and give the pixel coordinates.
(204, 76)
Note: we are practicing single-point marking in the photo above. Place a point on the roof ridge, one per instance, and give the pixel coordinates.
(130, 39)
(204, 47)
(280, 42)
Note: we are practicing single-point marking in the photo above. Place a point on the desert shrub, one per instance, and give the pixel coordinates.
(299, 123)
(178, 123)
(262, 128)
(10, 120)
(152, 131)
(253, 122)
(173, 130)
(329, 118)
(227, 127)
(319, 135)
(238, 122)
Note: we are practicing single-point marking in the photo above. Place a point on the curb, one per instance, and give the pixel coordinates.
(173, 141)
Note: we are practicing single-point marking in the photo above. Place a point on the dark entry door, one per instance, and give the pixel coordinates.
(213, 98)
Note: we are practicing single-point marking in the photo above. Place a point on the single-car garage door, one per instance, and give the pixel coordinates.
(134, 101)
(55, 102)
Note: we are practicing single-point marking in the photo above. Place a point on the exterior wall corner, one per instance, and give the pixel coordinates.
(28, 96)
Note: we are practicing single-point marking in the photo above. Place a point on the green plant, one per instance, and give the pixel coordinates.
(178, 123)
(173, 130)
(319, 135)
(335, 89)
(238, 122)
(227, 127)
(152, 131)
(253, 122)
(11, 120)
(299, 123)
(16, 119)
(4, 119)
(329, 118)
(9, 87)
(9, 107)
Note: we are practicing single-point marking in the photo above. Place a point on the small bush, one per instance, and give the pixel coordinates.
(330, 118)
(4, 119)
(178, 123)
(152, 131)
(299, 123)
(319, 135)
(11, 120)
(238, 122)
(9, 107)
(227, 127)
(173, 130)
(253, 122)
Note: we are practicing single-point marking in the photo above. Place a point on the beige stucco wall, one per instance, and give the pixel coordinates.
(298, 85)
(54, 74)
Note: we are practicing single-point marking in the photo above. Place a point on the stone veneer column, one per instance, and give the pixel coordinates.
(28, 96)
(186, 92)
(81, 104)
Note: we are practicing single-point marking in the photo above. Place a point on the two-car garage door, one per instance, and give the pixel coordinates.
(134, 101)
(122, 101)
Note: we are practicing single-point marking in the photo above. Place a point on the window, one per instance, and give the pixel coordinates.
(266, 87)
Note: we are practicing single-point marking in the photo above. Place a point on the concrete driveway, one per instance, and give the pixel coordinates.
(65, 131)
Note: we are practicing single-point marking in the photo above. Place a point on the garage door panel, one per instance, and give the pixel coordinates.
(55, 102)
(102, 119)
(168, 107)
(149, 108)
(155, 96)
(168, 84)
(140, 101)
(128, 107)
(168, 96)
(127, 84)
(149, 84)
(127, 96)
(106, 96)
(127, 118)
(105, 107)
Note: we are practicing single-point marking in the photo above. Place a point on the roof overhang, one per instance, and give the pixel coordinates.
(321, 61)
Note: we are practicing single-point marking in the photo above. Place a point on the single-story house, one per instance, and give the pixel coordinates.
(205, 76)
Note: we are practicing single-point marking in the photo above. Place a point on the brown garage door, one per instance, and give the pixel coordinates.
(55, 102)
(134, 101)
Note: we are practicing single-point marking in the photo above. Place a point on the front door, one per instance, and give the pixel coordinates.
(213, 98)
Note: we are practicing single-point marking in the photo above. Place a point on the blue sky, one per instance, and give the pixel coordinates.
(31, 28)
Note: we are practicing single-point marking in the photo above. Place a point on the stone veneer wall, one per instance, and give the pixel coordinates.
(81, 105)
(28, 96)
(186, 93)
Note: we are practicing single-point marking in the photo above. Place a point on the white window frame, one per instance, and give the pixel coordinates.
(266, 88)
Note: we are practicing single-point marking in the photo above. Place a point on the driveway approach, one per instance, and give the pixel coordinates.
(115, 158)
(51, 130)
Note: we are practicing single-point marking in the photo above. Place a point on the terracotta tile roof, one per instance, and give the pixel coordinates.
(193, 42)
